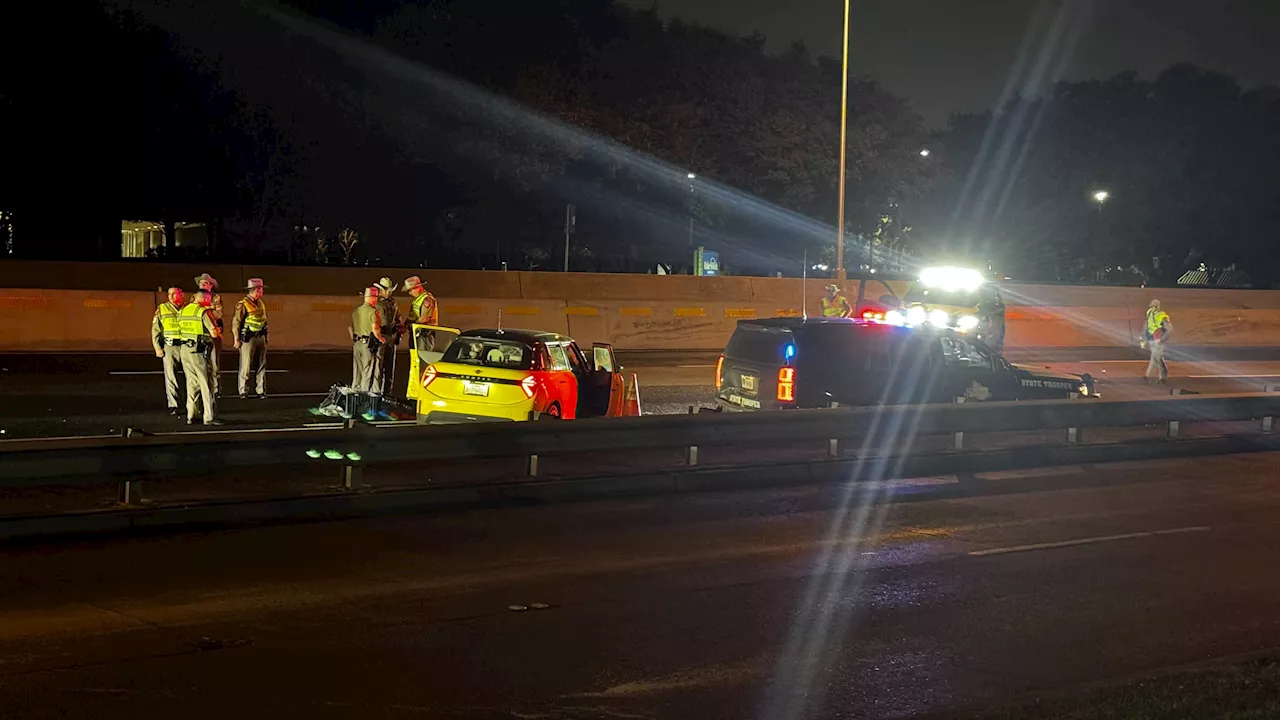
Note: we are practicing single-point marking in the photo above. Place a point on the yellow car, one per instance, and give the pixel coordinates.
(514, 375)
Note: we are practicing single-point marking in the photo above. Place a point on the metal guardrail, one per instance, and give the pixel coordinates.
(136, 458)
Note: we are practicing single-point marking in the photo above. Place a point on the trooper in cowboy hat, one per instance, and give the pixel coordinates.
(835, 304)
(392, 329)
(207, 283)
(424, 309)
(249, 328)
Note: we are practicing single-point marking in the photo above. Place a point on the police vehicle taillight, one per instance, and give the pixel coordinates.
(719, 368)
(787, 384)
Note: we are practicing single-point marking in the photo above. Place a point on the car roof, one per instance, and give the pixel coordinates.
(793, 323)
(516, 335)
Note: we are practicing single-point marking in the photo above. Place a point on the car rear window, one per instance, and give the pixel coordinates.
(758, 343)
(836, 342)
(488, 352)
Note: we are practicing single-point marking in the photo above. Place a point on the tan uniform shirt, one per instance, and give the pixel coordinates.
(365, 320)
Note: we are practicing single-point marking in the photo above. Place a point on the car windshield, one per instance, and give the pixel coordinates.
(487, 352)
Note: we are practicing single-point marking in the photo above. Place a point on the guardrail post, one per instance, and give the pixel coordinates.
(833, 444)
(1073, 433)
(130, 490)
(1174, 426)
(691, 455)
(532, 466)
(957, 438)
(1268, 422)
(352, 475)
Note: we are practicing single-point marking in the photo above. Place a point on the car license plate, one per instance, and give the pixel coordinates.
(749, 383)
(475, 388)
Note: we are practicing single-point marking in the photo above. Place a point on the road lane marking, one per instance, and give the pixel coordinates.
(1233, 376)
(1086, 541)
(308, 394)
(692, 366)
(161, 372)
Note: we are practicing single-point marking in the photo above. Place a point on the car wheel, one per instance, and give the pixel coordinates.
(551, 413)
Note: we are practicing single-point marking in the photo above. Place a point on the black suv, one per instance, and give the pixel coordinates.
(813, 362)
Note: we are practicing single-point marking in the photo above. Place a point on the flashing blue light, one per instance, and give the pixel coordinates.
(790, 351)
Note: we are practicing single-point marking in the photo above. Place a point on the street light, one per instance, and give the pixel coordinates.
(692, 176)
(924, 152)
(844, 122)
(1101, 196)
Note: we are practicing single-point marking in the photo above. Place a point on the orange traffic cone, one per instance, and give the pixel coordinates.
(631, 405)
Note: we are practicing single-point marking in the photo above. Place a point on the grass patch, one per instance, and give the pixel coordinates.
(1246, 691)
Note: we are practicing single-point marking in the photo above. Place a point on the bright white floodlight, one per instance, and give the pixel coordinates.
(951, 279)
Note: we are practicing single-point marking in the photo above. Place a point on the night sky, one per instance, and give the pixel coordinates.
(950, 55)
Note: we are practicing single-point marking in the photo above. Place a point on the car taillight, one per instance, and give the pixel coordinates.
(529, 385)
(787, 384)
(719, 368)
(428, 375)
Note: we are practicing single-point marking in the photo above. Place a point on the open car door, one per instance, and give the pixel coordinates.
(429, 344)
(608, 388)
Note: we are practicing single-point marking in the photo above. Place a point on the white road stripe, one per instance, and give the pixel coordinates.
(1233, 376)
(690, 366)
(1086, 541)
(310, 394)
(161, 372)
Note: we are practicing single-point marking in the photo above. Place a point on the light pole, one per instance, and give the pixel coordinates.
(844, 122)
(1101, 197)
(692, 177)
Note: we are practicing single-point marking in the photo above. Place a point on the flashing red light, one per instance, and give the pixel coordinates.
(872, 315)
(787, 384)
(428, 375)
(719, 368)
(529, 385)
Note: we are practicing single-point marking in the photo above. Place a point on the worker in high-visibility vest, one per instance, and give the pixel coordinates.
(249, 327)
(166, 338)
(835, 304)
(207, 283)
(423, 310)
(1155, 336)
(199, 329)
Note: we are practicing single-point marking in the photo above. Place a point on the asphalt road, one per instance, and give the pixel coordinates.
(101, 394)
(875, 602)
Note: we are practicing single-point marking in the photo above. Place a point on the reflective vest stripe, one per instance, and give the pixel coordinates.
(191, 322)
(834, 308)
(169, 321)
(426, 302)
(255, 317)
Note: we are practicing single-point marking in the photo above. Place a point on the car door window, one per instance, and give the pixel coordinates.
(959, 353)
(559, 358)
(576, 363)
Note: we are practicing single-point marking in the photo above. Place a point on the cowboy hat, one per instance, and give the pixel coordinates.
(254, 283)
(412, 282)
(209, 278)
(386, 285)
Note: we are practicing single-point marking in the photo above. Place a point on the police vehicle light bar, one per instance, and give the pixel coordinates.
(952, 279)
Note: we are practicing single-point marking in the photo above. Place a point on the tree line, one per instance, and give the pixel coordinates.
(446, 139)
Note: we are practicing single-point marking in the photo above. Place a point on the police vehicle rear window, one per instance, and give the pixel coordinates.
(486, 352)
(836, 342)
(758, 343)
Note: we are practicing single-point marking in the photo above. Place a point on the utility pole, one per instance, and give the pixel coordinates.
(844, 122)
(570, 221)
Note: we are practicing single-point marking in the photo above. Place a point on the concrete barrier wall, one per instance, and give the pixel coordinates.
(92, 307)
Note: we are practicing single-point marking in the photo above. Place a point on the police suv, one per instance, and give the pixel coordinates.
(778, 363)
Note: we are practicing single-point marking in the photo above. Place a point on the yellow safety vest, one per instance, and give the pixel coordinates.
(1156, 320)
(191, 323)
(834, 308)
(255, 316)
(169, 321)
(426, 301)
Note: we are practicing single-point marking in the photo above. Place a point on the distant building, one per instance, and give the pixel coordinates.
(145, 238)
